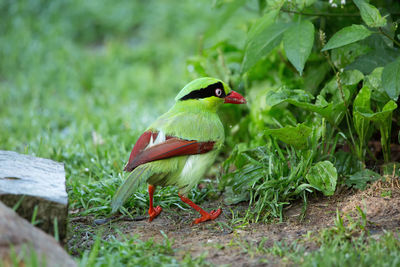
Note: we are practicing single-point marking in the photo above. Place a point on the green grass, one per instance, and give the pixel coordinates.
(133, 252)
(124, 251)
(344, 244)
(339, 252)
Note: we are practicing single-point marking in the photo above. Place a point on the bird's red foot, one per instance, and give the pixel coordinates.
(208, 216)
(154, 212)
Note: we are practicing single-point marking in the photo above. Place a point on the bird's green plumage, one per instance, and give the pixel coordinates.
(130, 185)
(192, 119)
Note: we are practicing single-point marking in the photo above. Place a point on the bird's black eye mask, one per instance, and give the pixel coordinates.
(216, 89)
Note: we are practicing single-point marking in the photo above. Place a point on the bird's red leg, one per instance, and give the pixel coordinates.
(205, 216)
(153, 212)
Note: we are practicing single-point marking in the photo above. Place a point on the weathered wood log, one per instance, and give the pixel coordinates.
(37, 187)
(19, 239)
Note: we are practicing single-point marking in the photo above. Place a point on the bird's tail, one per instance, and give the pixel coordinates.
(131, 184)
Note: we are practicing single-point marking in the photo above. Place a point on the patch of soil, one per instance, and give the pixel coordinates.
(380, 202)
(224, 245)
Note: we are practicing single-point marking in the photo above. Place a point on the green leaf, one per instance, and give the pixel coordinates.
(361, 124)
(360, 179)
(349, 81)
(303, 187)
(381, 117)
(347, 36)
(362, 102)
(315, 75)
(283, 94)
(264, 36)
(296, 136)
(232, 198)
(372, 60)
(374, 81)
(380, 55)
(352, 77)
(370, 14)
(383, 121)
(323, 176)
(298, 41)
(345, 55)
(347, 163)
(333, 112)
(391, 79)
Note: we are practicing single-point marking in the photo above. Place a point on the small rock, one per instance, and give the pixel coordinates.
(18, 239)
(35, 182)
(102, 221)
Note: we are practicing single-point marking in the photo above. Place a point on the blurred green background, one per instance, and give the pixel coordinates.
(69, 68)
(79, 80)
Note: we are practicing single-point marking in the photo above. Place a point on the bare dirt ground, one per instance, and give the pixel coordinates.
(222, 244)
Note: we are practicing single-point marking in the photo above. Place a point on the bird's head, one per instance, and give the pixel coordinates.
(209, 92)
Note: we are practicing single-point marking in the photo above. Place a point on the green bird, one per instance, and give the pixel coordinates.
(180, 146)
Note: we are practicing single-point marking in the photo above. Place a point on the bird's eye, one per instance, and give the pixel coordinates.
(218, 92)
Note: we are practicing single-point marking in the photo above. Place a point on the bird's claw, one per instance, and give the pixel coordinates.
(208, 216)
(154, 212)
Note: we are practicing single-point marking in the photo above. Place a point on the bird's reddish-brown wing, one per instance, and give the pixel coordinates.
(171, 147)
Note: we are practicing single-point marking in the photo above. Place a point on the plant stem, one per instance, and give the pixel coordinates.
(325, 14)
(348, 116)
(322, 14)
(351, 143)
(388, 36)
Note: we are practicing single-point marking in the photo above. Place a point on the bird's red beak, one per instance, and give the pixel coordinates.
(235, 98)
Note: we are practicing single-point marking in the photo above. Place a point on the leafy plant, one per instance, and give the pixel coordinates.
(360, 179)
(315, 103)
(271, 176)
